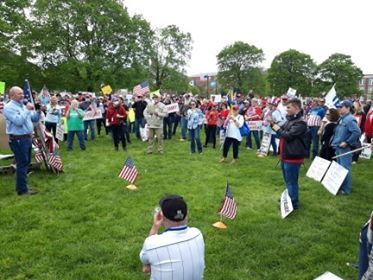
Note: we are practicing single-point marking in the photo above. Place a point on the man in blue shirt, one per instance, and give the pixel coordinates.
(19, 127)
(346, 135)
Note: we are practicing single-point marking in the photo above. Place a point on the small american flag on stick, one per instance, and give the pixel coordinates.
(129, 171)
(229, 206)
(56, 162)
(141, 89)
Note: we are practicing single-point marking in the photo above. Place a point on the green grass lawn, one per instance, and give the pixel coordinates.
(84, 223)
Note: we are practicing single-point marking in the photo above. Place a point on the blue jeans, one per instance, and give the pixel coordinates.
(290, 172)
(195, 138)
(345, 161)
(249, 143)
(91, 124)
(139, 122)
(184, 127)
(274, 144)
(364, 250)
(70, 139)
(22, 152)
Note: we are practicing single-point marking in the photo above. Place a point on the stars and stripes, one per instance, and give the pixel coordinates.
(55, 162)
(142, 88)
(229, 207)
(129, 171)
(39, 156)
(27, 92)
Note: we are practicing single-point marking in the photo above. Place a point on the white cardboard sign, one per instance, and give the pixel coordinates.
(328, 276)
(334, 177)
(266, 142)
(174, 107)
(318, 168)
(286, 205)
(255, 125)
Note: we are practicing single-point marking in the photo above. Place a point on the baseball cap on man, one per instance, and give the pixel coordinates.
(345, 103)
(174, 207)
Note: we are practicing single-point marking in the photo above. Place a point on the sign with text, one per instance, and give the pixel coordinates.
(266, 142)
(60, 132)
(92, 113)
(215, 98)
(366, 153)
(171, 108)
(318, 168)
(106, 89)
(334, 177)
(286, 205)
(255, 125)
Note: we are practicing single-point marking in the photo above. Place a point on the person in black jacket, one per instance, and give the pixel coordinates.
(327, 151)
(292, 148)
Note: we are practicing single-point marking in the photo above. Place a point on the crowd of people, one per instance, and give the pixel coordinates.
(299, 129)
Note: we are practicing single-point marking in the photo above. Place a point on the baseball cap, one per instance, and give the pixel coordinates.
(345, 103)
(236, 107)
(174, 207)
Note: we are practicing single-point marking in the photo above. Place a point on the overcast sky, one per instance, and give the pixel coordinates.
(315, 27)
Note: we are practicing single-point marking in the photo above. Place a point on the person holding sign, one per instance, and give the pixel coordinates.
(292, 148)
(345, 136)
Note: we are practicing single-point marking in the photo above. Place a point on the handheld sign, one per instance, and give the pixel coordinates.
(334, 177)
(92, 113)
(264, 147)
(318, 168)
(174, 107)
(2, 87)
(255, 125)
(106, 89)
(286, 205)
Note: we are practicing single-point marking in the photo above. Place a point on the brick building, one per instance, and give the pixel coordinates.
(366, 85)
(206, 82)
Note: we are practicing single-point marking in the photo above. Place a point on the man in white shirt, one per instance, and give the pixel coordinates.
(178, 252)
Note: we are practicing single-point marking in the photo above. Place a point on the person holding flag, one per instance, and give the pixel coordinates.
(19, 127)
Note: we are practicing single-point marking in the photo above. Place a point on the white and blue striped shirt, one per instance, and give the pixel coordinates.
(176, 254)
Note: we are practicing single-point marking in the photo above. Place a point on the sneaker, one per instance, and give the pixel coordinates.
(222, 160)
(182, 139)
(29, 192)
(248, 148)
(233, 161)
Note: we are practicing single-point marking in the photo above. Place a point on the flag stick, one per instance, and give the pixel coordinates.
(353, 151)
(220, 224)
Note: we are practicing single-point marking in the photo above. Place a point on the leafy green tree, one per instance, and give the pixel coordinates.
(340, 70)
(175, 82)
(292, 69)
(94, 40)
(237, 64)
(170, 53)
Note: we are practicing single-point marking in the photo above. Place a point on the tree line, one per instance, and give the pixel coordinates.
(79, 45)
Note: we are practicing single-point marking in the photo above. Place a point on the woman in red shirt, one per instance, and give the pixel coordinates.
(212, 120)
(117, 117)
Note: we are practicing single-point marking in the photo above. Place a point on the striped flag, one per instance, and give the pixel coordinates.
(27, 92)
(142, 88)
(129, 171)
(229, 207)
(56, 162)
(39, 156)
(331, 99)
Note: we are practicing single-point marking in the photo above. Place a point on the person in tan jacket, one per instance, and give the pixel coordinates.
(154, 114)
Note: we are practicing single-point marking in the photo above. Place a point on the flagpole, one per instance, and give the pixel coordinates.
(353, 151)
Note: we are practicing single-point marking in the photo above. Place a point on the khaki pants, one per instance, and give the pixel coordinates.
(159, 133)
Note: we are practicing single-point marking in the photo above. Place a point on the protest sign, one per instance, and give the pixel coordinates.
(171, 108)
(92, 113)
(334, 177)
(2, 87)
(318, 168)
(366, 153)
(106, 89)
(328, 276)
(255, 125)
(60, 132)
(264, 147)
(215, 98)
(222, 136)
(286, 204)
(291, 92)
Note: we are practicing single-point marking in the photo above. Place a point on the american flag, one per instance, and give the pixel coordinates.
(39, 156)
(27, 92)
(129, 171)
(141, 89)
(229, 207)
(56, 162)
